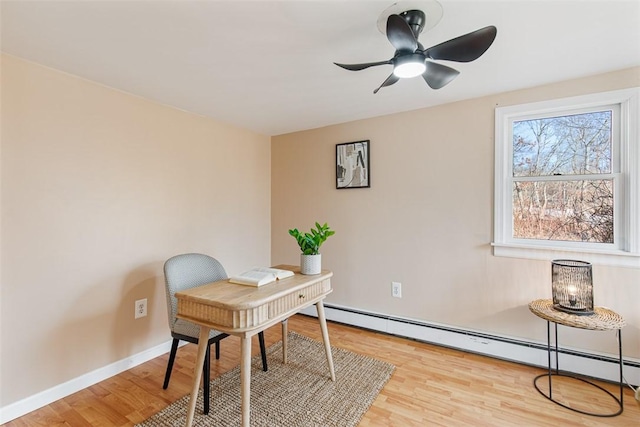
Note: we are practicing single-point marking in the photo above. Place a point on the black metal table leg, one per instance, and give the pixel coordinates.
(557, 373)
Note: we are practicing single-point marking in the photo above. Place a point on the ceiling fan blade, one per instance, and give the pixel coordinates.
(400, 35)
(438, 75)
(466, 48)
(388, 82)
(358, 67)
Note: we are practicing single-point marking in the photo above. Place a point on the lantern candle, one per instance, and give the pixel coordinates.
(572, 286)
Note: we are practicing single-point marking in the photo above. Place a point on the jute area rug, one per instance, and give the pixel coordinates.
(297, 394)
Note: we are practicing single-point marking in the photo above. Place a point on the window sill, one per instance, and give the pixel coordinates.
(610, 258)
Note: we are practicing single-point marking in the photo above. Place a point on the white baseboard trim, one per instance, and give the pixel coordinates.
(600, 366)
(531, 353)
(31, 403)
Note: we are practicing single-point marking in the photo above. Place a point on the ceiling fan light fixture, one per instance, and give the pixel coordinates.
(408, 66)
(403, 25)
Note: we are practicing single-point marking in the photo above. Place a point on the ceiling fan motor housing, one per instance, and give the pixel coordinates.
(416, 20)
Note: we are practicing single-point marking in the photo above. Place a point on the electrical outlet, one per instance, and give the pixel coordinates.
(141, 308)
(396, 289)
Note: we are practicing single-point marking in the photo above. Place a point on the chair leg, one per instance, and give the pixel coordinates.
(218, 349)
(206, 379)
(172, 358)
(263, 351)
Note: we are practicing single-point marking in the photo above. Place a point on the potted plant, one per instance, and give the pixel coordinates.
(310, 258)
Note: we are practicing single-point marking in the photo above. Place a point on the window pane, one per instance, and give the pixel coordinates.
(579, 211)
(577, 144)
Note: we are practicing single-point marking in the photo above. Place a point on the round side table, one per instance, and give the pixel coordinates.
(602, 319)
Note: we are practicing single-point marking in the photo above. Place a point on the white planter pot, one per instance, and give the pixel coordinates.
(310, 264)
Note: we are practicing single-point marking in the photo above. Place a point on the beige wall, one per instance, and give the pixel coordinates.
(427, 220)
(99, 188)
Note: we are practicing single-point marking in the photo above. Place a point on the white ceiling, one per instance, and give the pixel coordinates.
(268, 65)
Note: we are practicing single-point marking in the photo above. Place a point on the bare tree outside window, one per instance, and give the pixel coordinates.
(562, 187)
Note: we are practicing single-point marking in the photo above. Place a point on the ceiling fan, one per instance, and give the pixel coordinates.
(411, 59)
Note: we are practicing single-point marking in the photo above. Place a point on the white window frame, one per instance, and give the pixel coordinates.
(626, 174)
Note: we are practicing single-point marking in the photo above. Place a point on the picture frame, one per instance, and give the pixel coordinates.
(352, 165)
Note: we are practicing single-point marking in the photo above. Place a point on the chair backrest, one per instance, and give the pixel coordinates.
(188, 271)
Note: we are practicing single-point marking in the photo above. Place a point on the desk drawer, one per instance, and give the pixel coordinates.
(299, 298)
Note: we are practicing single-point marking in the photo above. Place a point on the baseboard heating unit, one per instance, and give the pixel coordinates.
(598, 366)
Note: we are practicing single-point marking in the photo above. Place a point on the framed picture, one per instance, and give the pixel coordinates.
(352, 165)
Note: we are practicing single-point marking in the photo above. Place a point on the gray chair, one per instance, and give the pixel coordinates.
(184, 272)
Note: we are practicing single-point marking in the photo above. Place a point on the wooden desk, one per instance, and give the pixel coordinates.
(246, 310)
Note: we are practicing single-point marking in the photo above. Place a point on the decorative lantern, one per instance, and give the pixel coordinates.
(572, 286)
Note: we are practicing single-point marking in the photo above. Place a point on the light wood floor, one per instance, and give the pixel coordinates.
(431, 386)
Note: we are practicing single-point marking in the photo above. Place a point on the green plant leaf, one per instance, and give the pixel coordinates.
(310, 242)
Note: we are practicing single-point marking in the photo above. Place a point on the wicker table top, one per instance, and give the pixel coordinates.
(602, 319)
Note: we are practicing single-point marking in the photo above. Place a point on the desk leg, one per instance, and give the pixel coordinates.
(325, 338)
(203, 343)
(245, 378)
(285, 332)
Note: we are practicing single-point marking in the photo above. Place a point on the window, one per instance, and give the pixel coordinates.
(567, 179)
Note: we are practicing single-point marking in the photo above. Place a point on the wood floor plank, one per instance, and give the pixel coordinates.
(431, 386)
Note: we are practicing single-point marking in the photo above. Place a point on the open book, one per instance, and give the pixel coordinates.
(260, 276)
